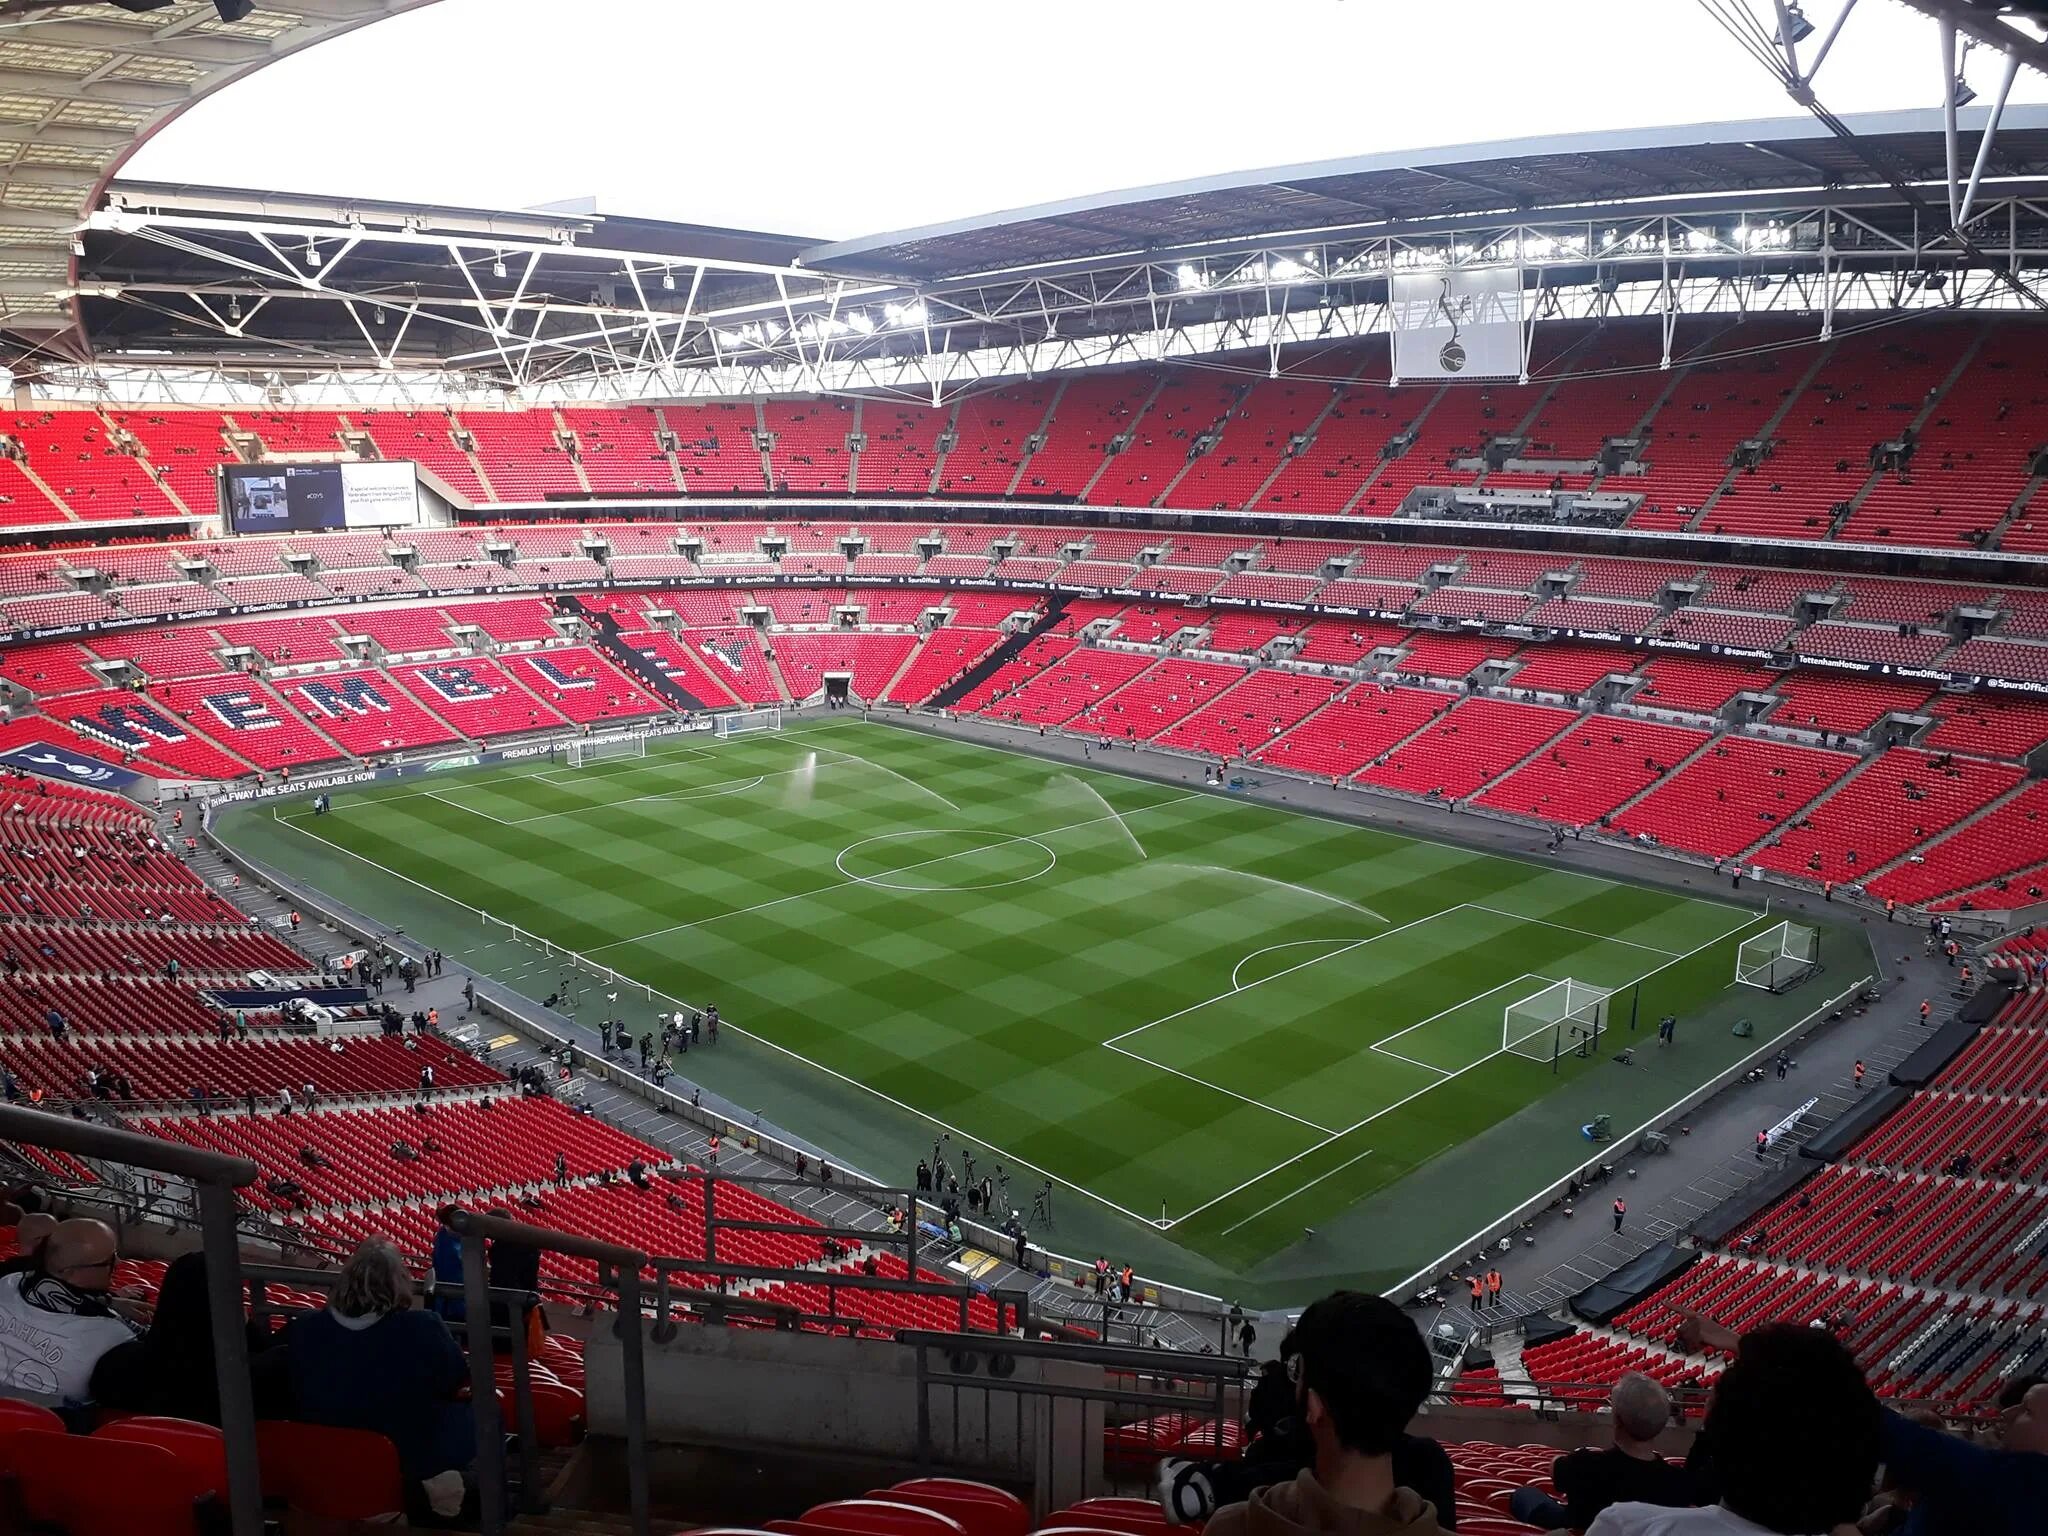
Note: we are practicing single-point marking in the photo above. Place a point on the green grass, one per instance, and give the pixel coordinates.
(1165, 1000)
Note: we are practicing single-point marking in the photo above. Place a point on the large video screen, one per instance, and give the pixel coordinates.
(305, 498)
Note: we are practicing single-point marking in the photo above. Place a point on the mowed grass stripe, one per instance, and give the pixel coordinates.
(987, 1009)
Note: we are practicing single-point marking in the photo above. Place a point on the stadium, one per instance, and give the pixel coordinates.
(868, 864)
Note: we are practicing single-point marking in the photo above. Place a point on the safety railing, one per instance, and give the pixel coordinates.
(214, 1178)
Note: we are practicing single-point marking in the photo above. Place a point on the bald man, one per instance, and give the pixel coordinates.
(58, 1319)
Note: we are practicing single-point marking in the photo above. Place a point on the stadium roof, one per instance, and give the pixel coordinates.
(1576, 176)
(82, 86)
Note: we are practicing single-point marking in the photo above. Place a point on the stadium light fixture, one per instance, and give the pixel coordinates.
(862, 322)
(235, 310)
(1961, 92)
(1189, 278)
(498, 267)
(668, 281)
(312, 254)
(1797, 29)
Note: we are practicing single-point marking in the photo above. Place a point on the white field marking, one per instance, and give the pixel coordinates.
(1123, 826)
(1513, 981)
(1604, 938)
(1290, 944)
(1160, 1066)
(1004, 841)
(841, 884)
(1306, 890)
(695, 792)
(1410, 1060)
(1348, 946)
(1304, 1189)
(885, 768)
(1432, 1087)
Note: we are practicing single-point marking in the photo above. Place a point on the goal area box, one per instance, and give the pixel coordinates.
(1779, 958)
(1565, 1017)
(744, 722)
(582, 751)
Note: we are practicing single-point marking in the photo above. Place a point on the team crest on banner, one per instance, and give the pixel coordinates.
(1457, 323)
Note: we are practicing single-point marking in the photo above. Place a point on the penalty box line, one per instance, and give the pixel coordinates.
(1449, 1076)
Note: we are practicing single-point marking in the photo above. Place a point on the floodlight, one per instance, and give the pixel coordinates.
(861, 321)
(668, 281)
(1188, 277)
(235, 310)
(1961, 92)
(234, 10)
(1796, 24)
(312, 254)
(498, 267)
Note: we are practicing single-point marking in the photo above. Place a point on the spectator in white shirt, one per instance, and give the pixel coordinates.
(57, 1319)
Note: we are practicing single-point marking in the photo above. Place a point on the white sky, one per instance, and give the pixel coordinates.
(838, 118)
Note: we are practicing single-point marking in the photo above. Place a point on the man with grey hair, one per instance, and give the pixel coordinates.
(1631, 1472)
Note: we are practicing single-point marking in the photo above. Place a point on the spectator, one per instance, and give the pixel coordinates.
(171, 1369)
(516, 1267)
(448, 1301)
(367, 1361)
(30, 1233)
(1959, 1488)
(58, 1319)
(1360, 1372)
(1795, 1432)
(1631, 1472)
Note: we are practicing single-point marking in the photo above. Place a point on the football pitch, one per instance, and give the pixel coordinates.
(1218, 1021)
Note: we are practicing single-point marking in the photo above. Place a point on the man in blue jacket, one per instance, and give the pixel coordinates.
(1962, 1488)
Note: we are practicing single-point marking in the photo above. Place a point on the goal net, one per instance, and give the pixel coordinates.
(1778, 958)
(1565, 1016)
(582, 751)
(743, 722)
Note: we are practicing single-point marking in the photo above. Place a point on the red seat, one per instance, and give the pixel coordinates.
(16, 1414)
(95, 1487)
(881, 1517)
(330, 1474)
(200, 1447)
(982, 1510)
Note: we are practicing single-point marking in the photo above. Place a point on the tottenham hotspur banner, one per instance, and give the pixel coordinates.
(1464, 322)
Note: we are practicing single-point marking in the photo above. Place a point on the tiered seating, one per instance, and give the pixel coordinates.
(1472, 603)
(73, 453)
(1248, 634)
(2005, 840)
(1710, 626)
(1989, 657)
(23, 502)
(1471, 746)
(1345, 452)
(1933, 1129)
(991, 432)
(810, 451)
(1161, 697)
(715, 449)
(1971, 458)
(245, 716)
(902, 448)
(1697, 684)
(733, 656)
(1455, 426)
(509, 621)
(1593, 769)
(57, 667)
(1894, 803)
(582, 684)
(1642, 580)
(478, 698)
(1733, 796)
(366, 712)
(1715, 405)
(184, 448)
(1252, 715)
(620, 454)
(680, 665)
(1870, 642)
(181, 651)
(132, 1007)
(949, 651)
(170, 1070)
(1437, 655)
(513, 1142)
(1080, 681)
(402, 631)
(294, 433)
(1253, 444)
(1091, 412)
(1567, 668)
(127, 723)
(872, 659)
(1354, 729)
(427, 438)
(1842, 703)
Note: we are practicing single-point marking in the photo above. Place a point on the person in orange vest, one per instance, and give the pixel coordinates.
(1859, 1077)
(1763, 1141)
(1478, 1290)
(714, 1151)
(1827, 890)
(1890, 906)
(1620, 1212)
(433, 1018)
(1966, 978)
(1493, 1287)
(1926, 1008)
(1126, 1281)
(295, 919)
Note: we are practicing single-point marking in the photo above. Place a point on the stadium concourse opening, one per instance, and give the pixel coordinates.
(1209, 1023)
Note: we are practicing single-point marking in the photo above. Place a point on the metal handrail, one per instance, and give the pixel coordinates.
(214, 1177)
(475, 1229)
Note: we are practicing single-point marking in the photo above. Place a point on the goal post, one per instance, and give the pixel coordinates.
(1564, 1017)
(744, 722)
(1779, 958)
(582, 751)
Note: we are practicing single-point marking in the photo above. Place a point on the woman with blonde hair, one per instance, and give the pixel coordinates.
(372, 1361)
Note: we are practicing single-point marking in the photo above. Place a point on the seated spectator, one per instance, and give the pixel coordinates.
(1957, 1487)
(58, 1318)
(367, 1361)
(1795, 1434)
(1360, 1371)
(1631, 1472)
(170, 1370)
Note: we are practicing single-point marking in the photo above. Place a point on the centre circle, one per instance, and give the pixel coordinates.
(938, 860)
